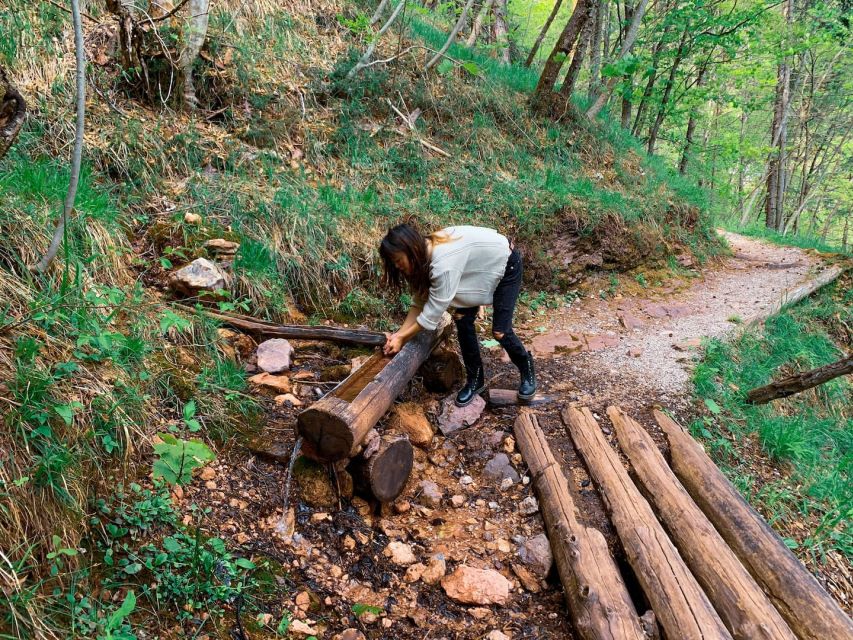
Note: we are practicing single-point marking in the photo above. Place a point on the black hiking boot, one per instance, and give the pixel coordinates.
(527, 388)
(475, 386)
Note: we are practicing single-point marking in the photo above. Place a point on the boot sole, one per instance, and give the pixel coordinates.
(478, 392)
(526, 397)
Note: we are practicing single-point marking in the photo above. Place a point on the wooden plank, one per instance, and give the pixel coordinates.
(742, 605)
(509, 397)
(598, 601)
(810, 612)
(680, 605)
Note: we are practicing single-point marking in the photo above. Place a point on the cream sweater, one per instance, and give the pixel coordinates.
(464, 271)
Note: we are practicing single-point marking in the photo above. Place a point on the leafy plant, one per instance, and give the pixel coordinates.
(178, 458)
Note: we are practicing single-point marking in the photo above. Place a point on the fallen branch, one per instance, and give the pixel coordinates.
(810, 612)
(801, 381)
(294, 331)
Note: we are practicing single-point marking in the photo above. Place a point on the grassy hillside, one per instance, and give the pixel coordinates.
(303, 168)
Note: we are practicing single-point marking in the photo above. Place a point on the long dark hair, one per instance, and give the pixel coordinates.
(405, 239)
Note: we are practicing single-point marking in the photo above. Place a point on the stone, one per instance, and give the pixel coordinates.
(629, 320)
(281, 384)
(414, 572)
(301, 628)
(528, 506)
(199, 275)
(688, 345)
(506, 484)
(457, 501)
(526, 577)
(400, 554)
(466, 480)
(509, 444)
(402, 506)
(409, 418)
(430, 493)
(207, 473)
(479, 613)
(222, 247)
(476, 586)
(635, 352)
(536, 553)
(287, 399)
(350, 634)
(303, 600)
(452, 418)
(499, 468)
(274, 356)
(494, 634)
(192, 218)
(435, 569)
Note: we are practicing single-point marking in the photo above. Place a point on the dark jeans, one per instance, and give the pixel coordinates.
(503, 303)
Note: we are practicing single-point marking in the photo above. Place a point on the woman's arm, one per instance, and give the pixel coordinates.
(408, 330)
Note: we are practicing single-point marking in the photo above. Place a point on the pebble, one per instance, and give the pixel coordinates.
(528, 506)
(506, 483)
(476, 586)
(402, 506)
(499, 468)
(458, 501)
(466, 480)
(400, 553)
(430, 493)
(435, 569)
(536, 554)
(494, 634)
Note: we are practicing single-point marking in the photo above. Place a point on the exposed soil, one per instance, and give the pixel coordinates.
(585, 355)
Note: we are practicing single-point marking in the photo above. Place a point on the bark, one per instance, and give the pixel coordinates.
(597, 37)
(535, 49)
(451, 38)
(571, 78)
(742, 605)
(501, 30)
(801, 381)
(560, 53)
(77, 153)
(680, 605)
(482, 14)
(364, 61)
(195, 32)
(377, 15)
(264, 329)
(667, 92)
(793, 296)
(335, 426)
(509, 397)
(597, 599)
(384, 467)
(810, 612)
(627, 44)
(13, 112)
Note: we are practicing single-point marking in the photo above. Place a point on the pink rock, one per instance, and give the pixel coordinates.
(274, 355)
(635, 352)
(476, 586)
(688, 345)
(629, 320)
(453, 418)
(546, 343)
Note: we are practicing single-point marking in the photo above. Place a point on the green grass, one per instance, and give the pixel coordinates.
(809, 436)
(801, 240)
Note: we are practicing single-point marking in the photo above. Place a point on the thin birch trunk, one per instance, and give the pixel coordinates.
(482, 14)
(450, 38)
(535, 49)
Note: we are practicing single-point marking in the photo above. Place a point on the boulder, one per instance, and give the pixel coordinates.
(452, 418)
(274, 355)
(476, 586)
(409, 418)
(536, 553)
(198, 276)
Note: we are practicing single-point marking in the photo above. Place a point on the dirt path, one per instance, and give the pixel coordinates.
(598, 352)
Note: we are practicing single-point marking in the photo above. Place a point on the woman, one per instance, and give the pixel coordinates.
(461, 267)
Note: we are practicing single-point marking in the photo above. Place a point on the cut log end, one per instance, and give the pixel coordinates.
(385, 472)
(327, 435)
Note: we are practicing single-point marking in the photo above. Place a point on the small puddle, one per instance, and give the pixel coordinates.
(287, 519)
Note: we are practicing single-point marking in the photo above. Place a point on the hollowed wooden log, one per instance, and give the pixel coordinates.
(810, 612)
(598, 600)
(680, 605)
(741, 603)
(336, 425)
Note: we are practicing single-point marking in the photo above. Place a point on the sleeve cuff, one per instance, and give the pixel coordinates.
(426, 323)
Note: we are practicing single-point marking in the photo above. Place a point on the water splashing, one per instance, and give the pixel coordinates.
(288, 519)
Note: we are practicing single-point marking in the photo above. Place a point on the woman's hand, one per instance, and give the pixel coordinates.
(393, 343)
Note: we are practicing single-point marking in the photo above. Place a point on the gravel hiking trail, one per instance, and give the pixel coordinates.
(355, 565)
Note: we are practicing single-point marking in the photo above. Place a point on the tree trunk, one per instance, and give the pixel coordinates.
(680, 605)
(571, 78)
(810, 612)
(597, 37)
(195, 33)
(667, 92)
(627, 44)
(743, 607)
(773, 207)
(560, 53)
(377, 15)
(13, 112)
(801, 381)
(77, 153)
(501, 30)
(478, 22)
(364, 61)
(451, 38)
(535, 49)
(384, 467)
(597, 599)
(691, 127)
(335, 426)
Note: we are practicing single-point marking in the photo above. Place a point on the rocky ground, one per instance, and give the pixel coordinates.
(462, 553)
